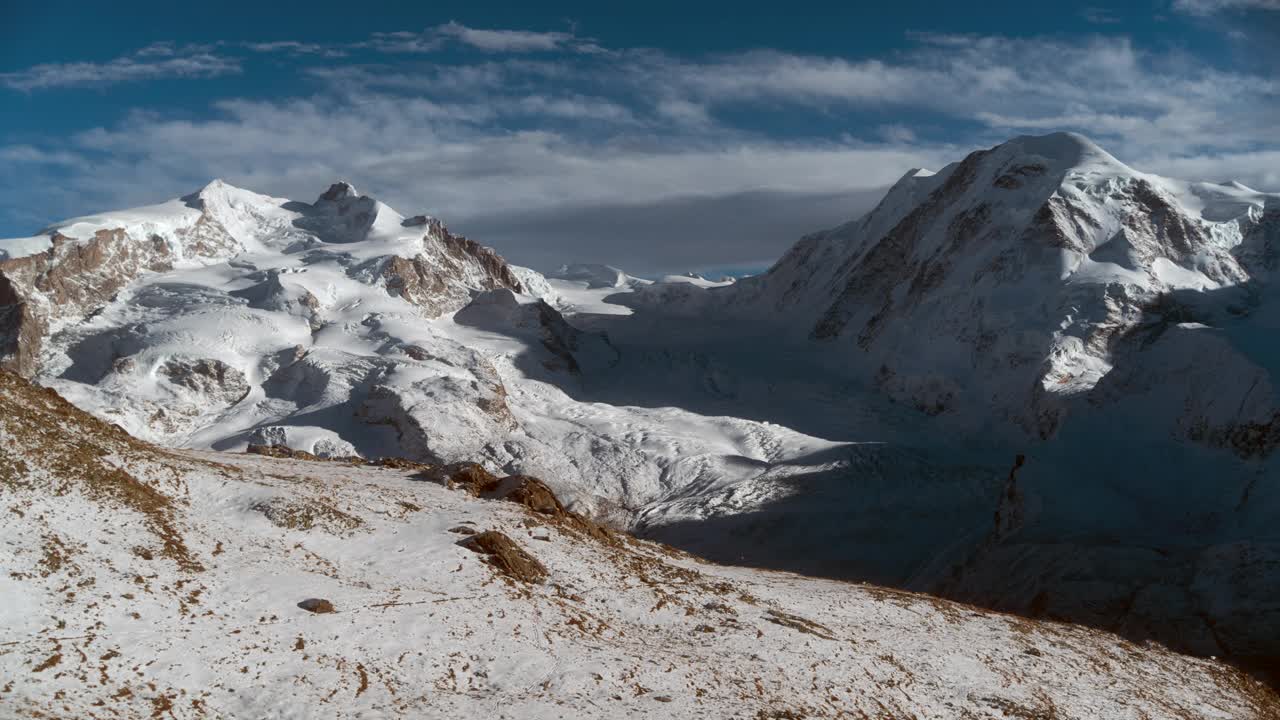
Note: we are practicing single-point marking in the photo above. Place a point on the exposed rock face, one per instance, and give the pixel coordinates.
(289, 441)
(200, 338)
(77, 276)
(66, 282)
(212, 379)
(528, 491)
(440, 279)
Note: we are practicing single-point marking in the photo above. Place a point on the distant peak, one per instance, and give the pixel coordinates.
(339, 191)
(416, 220)
(215, 185)
(222, 187)
(213, 190)
(914, 173)
(1062, 149)
(1062, 140)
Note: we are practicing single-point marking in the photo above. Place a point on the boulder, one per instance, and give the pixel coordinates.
(318, 606)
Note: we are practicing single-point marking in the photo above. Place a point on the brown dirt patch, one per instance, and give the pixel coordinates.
(399, 463)
(49, 662)
(506, 556)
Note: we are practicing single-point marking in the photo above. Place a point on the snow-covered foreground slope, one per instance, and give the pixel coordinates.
(145, 582)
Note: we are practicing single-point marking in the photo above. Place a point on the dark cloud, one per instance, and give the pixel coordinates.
(668, 236)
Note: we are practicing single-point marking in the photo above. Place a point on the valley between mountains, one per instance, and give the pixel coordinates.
(1036, 381)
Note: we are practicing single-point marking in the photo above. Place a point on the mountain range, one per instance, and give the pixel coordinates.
(1036, 381)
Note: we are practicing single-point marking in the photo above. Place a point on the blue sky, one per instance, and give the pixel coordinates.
(660, 136)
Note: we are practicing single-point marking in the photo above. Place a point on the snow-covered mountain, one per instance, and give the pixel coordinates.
(146, 582)
(1042, 299)
(1004, 286)
(1037, 380)
(227, 318)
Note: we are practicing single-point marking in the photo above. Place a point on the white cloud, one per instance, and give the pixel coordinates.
(168, 48)
(504, 40)
(683, 112)
(494, 41)
(402, 41)
(896, 133)
(293, 47)
(1209, 7)
(125, 69)
(1258, 169)
(162, 48)
(402, 148)
(29, 155)
(1138, 101)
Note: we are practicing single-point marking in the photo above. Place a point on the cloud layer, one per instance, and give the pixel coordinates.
(1209, 7)
(554, 148)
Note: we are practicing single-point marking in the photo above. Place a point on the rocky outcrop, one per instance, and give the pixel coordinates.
(66, 282)
(340, 215)
(442, 278)
(76, 277)
(213, 380)
(506, 556)
(281, 441)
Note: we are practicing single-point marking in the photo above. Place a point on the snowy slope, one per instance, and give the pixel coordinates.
(144, 582)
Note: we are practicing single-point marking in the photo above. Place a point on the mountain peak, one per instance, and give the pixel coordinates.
(220, 193)
(914, 173)
(1062, 150)
(338, 192)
